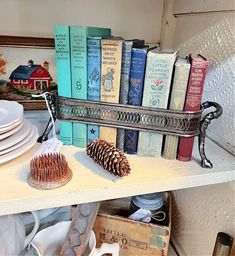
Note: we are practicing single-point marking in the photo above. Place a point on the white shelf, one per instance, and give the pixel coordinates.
(92, 183)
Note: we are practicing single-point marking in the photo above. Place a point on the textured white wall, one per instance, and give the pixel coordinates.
(213, 35)
(131, 19)
(199, 213)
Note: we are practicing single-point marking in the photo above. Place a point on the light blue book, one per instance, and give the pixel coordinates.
(157, 84)
(62, 48)
(78, 37)
(94, 79)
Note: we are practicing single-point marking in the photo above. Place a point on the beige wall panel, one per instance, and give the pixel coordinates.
(186, 6)
(131, 19)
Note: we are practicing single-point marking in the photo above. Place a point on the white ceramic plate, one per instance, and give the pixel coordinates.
(12, 126)
(17, 137)
(10, 112)
(19, 151)
(31, 135)
(11, 132)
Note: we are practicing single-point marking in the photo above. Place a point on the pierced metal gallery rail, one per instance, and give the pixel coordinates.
(169, 122)
(129, 117)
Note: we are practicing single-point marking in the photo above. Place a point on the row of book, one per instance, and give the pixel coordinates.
(92, 65)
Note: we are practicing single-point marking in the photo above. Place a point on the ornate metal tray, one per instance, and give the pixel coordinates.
(179, 123)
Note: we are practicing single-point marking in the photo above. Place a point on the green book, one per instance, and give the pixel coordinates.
(177, 99)
(62, 47)
(78, 42)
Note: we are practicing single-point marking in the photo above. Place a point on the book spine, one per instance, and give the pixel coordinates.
(192, 103)
(111, 51)
(138, 61)
(125, 74)
(63, 72)
(78, 41)
(94, 80)
(156, 92)
(177, 100)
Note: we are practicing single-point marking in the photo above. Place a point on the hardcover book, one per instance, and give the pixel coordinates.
(78, 36)
(197, 76)
(111, 52)
(94, 79)
(124, 87)
(135, 93)
(177, 99)
(62, 48)
(156, 92)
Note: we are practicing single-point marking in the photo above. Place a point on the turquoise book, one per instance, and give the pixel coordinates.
(63, 72)
(157, 85)
(78, 42)
(94, 79)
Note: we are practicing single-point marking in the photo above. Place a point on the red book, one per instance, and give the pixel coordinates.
(197, 76)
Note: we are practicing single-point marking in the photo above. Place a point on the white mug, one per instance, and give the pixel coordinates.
(13, 239)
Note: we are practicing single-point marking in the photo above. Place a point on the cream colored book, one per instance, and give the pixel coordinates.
(111, 60)
(180, 82)
(157, 84)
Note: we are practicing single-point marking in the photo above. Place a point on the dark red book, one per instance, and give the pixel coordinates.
(199, 66)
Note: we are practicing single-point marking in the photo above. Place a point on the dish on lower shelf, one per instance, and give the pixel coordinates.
(55, 235)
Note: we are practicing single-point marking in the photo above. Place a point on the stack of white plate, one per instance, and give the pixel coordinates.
(16, 134)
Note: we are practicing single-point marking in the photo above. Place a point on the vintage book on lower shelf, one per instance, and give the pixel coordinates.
(111, 52)
(78, 37)
(197, 76)
(94, 79)
(177, 99)
(137, 72)
(62, 48)
(156, 92)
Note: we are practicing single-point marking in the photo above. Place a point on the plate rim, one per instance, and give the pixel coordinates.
(12, 131)
(17, 152)
(33, 133)
(19, 113)
(17, 140)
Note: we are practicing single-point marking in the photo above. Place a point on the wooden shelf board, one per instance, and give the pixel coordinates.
(91, 183)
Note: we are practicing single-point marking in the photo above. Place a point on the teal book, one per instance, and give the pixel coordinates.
(62, 48)
(94, 79)
(157, 84)
(78, 41)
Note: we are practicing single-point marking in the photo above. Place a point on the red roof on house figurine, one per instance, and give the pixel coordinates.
(34, 77)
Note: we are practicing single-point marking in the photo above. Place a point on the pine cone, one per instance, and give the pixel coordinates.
(109, 157)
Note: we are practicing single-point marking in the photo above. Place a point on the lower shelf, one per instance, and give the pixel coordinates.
(91, 183)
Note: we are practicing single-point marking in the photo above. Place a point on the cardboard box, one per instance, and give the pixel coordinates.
(135, 238)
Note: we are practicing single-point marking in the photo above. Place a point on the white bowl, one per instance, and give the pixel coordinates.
(49, 241)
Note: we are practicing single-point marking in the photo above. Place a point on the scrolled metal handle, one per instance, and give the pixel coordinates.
(205, 121)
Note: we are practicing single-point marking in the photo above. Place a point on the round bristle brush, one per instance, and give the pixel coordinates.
(49, 171)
